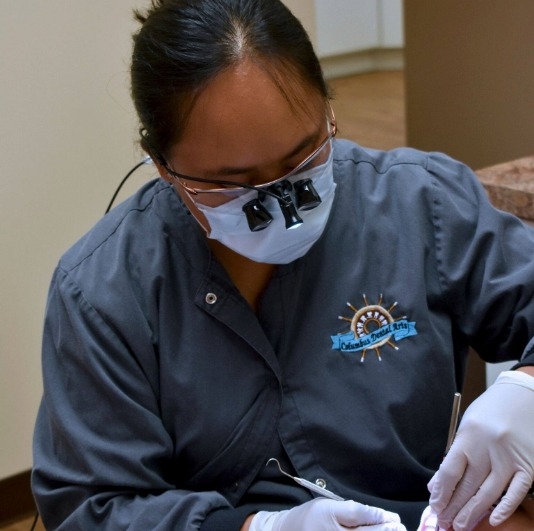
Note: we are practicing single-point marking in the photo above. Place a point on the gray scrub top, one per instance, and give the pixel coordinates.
(165, 394)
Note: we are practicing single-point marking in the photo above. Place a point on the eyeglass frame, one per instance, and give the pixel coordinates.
(259, 187)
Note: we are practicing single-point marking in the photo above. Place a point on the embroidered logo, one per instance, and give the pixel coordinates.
(371, 328)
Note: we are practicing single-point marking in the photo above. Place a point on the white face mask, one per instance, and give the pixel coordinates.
(275, 244)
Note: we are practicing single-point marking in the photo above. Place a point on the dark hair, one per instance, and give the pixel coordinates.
(183, 44)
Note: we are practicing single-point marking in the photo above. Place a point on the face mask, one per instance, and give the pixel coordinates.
(275, 244)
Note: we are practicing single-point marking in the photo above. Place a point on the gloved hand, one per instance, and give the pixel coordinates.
(493, 452)
(322, 514)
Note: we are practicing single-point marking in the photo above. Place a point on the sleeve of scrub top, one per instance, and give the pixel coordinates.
(103, 459)
(485, 262)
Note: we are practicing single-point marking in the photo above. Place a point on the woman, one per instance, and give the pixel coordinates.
(193, 333)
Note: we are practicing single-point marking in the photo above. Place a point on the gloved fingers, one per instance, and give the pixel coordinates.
(479, 505)
(515, 494)
(445, 480)
(350, 513)
(465, 489)
(428, 519)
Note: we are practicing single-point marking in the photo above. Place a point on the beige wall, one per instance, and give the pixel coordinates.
(470, 78)
(67, 138)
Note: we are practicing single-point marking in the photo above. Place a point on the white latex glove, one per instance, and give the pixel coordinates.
(322, 514)
(493, 452)
(429, 520)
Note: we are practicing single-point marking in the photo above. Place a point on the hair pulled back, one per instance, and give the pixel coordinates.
(183, 44)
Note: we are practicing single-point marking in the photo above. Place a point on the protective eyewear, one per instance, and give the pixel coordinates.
(228, 190)
(291, 192)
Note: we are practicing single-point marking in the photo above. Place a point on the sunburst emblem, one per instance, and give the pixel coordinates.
(373, 327)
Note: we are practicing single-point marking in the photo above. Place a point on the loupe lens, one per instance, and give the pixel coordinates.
(258, 217)
(306, 195)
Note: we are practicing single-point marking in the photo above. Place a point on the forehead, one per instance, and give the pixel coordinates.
(243, 116)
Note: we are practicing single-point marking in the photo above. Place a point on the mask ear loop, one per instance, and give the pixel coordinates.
(204, 227)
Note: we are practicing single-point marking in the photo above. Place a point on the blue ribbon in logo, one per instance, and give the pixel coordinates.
(350, 343)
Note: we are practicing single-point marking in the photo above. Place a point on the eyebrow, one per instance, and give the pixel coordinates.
(305, 142)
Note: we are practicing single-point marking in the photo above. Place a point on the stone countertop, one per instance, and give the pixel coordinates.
(510, 186)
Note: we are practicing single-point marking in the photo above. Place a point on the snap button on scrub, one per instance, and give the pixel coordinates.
(211, 298)
(320, 482)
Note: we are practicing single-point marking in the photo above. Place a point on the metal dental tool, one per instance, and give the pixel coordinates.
(452, 426)
(454, 421)
(307, 484)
